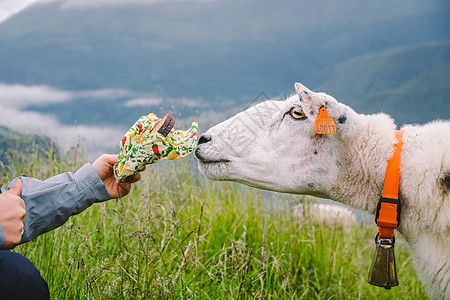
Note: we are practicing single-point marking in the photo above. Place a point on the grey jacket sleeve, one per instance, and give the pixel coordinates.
(50, 203)
(2, 237)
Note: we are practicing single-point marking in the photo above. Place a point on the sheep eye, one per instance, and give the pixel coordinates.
(297, 113)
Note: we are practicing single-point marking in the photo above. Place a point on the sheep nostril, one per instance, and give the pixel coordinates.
(204, 138)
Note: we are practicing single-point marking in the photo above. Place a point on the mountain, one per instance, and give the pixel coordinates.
(17, 146)
(425, 97)
(229, 52)
(410, 83)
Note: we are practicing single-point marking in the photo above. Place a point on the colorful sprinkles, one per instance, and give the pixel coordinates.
(140, 146)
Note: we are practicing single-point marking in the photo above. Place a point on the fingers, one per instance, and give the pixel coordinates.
(16, 188)
(24, 208)
(13, 234)
(16, 208)
(136, 177)
(110, 158)
(18, 205)
(105, 160)
(104, 165)
(12, 215)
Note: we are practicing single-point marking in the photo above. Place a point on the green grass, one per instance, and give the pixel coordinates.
(180, 236)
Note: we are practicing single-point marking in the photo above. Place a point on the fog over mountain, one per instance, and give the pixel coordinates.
(213, 56)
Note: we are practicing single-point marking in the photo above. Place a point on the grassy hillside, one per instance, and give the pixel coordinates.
(180, 236)
(17, 148)
(423, 98)
(357, 77)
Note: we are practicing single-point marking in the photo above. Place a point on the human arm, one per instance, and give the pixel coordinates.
(104, 166)
(50, 203)
(12, 215)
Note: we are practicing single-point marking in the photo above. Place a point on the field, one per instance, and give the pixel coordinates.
(178, 235)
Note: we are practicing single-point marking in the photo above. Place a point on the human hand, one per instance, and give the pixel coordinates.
(12, 215)
(104, 166)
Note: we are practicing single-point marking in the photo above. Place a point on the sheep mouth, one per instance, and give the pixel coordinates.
(202, 158)
(209, 161)
(213, 167)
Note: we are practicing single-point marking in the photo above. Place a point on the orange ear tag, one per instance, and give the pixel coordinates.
(324, 124)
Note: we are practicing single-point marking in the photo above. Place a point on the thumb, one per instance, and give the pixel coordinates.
(16, 189)
(110, 159)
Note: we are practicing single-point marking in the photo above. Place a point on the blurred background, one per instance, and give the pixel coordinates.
(82, 71)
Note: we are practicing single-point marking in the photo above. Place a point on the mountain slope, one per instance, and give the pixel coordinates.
(421, 99)
(355, 78)
(15, 147)
(196, 50)
(395, 81)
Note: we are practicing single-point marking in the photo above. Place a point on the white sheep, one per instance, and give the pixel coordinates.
(273, 146)
(326, 214)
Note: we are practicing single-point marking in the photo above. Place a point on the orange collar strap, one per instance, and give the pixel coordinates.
(388, 208)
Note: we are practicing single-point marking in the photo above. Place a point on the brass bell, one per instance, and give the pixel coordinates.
(383, 272)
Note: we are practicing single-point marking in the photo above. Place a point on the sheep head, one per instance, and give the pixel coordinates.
(273, 145)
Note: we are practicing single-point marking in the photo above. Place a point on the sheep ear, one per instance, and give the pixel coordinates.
(303, 92)
(345, 119)
(343, 116)
(311, 103)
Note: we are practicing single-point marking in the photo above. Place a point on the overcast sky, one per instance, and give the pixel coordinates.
(11, 7)
(14, 98)
(251, 21)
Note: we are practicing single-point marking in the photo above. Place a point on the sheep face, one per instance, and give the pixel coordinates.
(273, 145)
